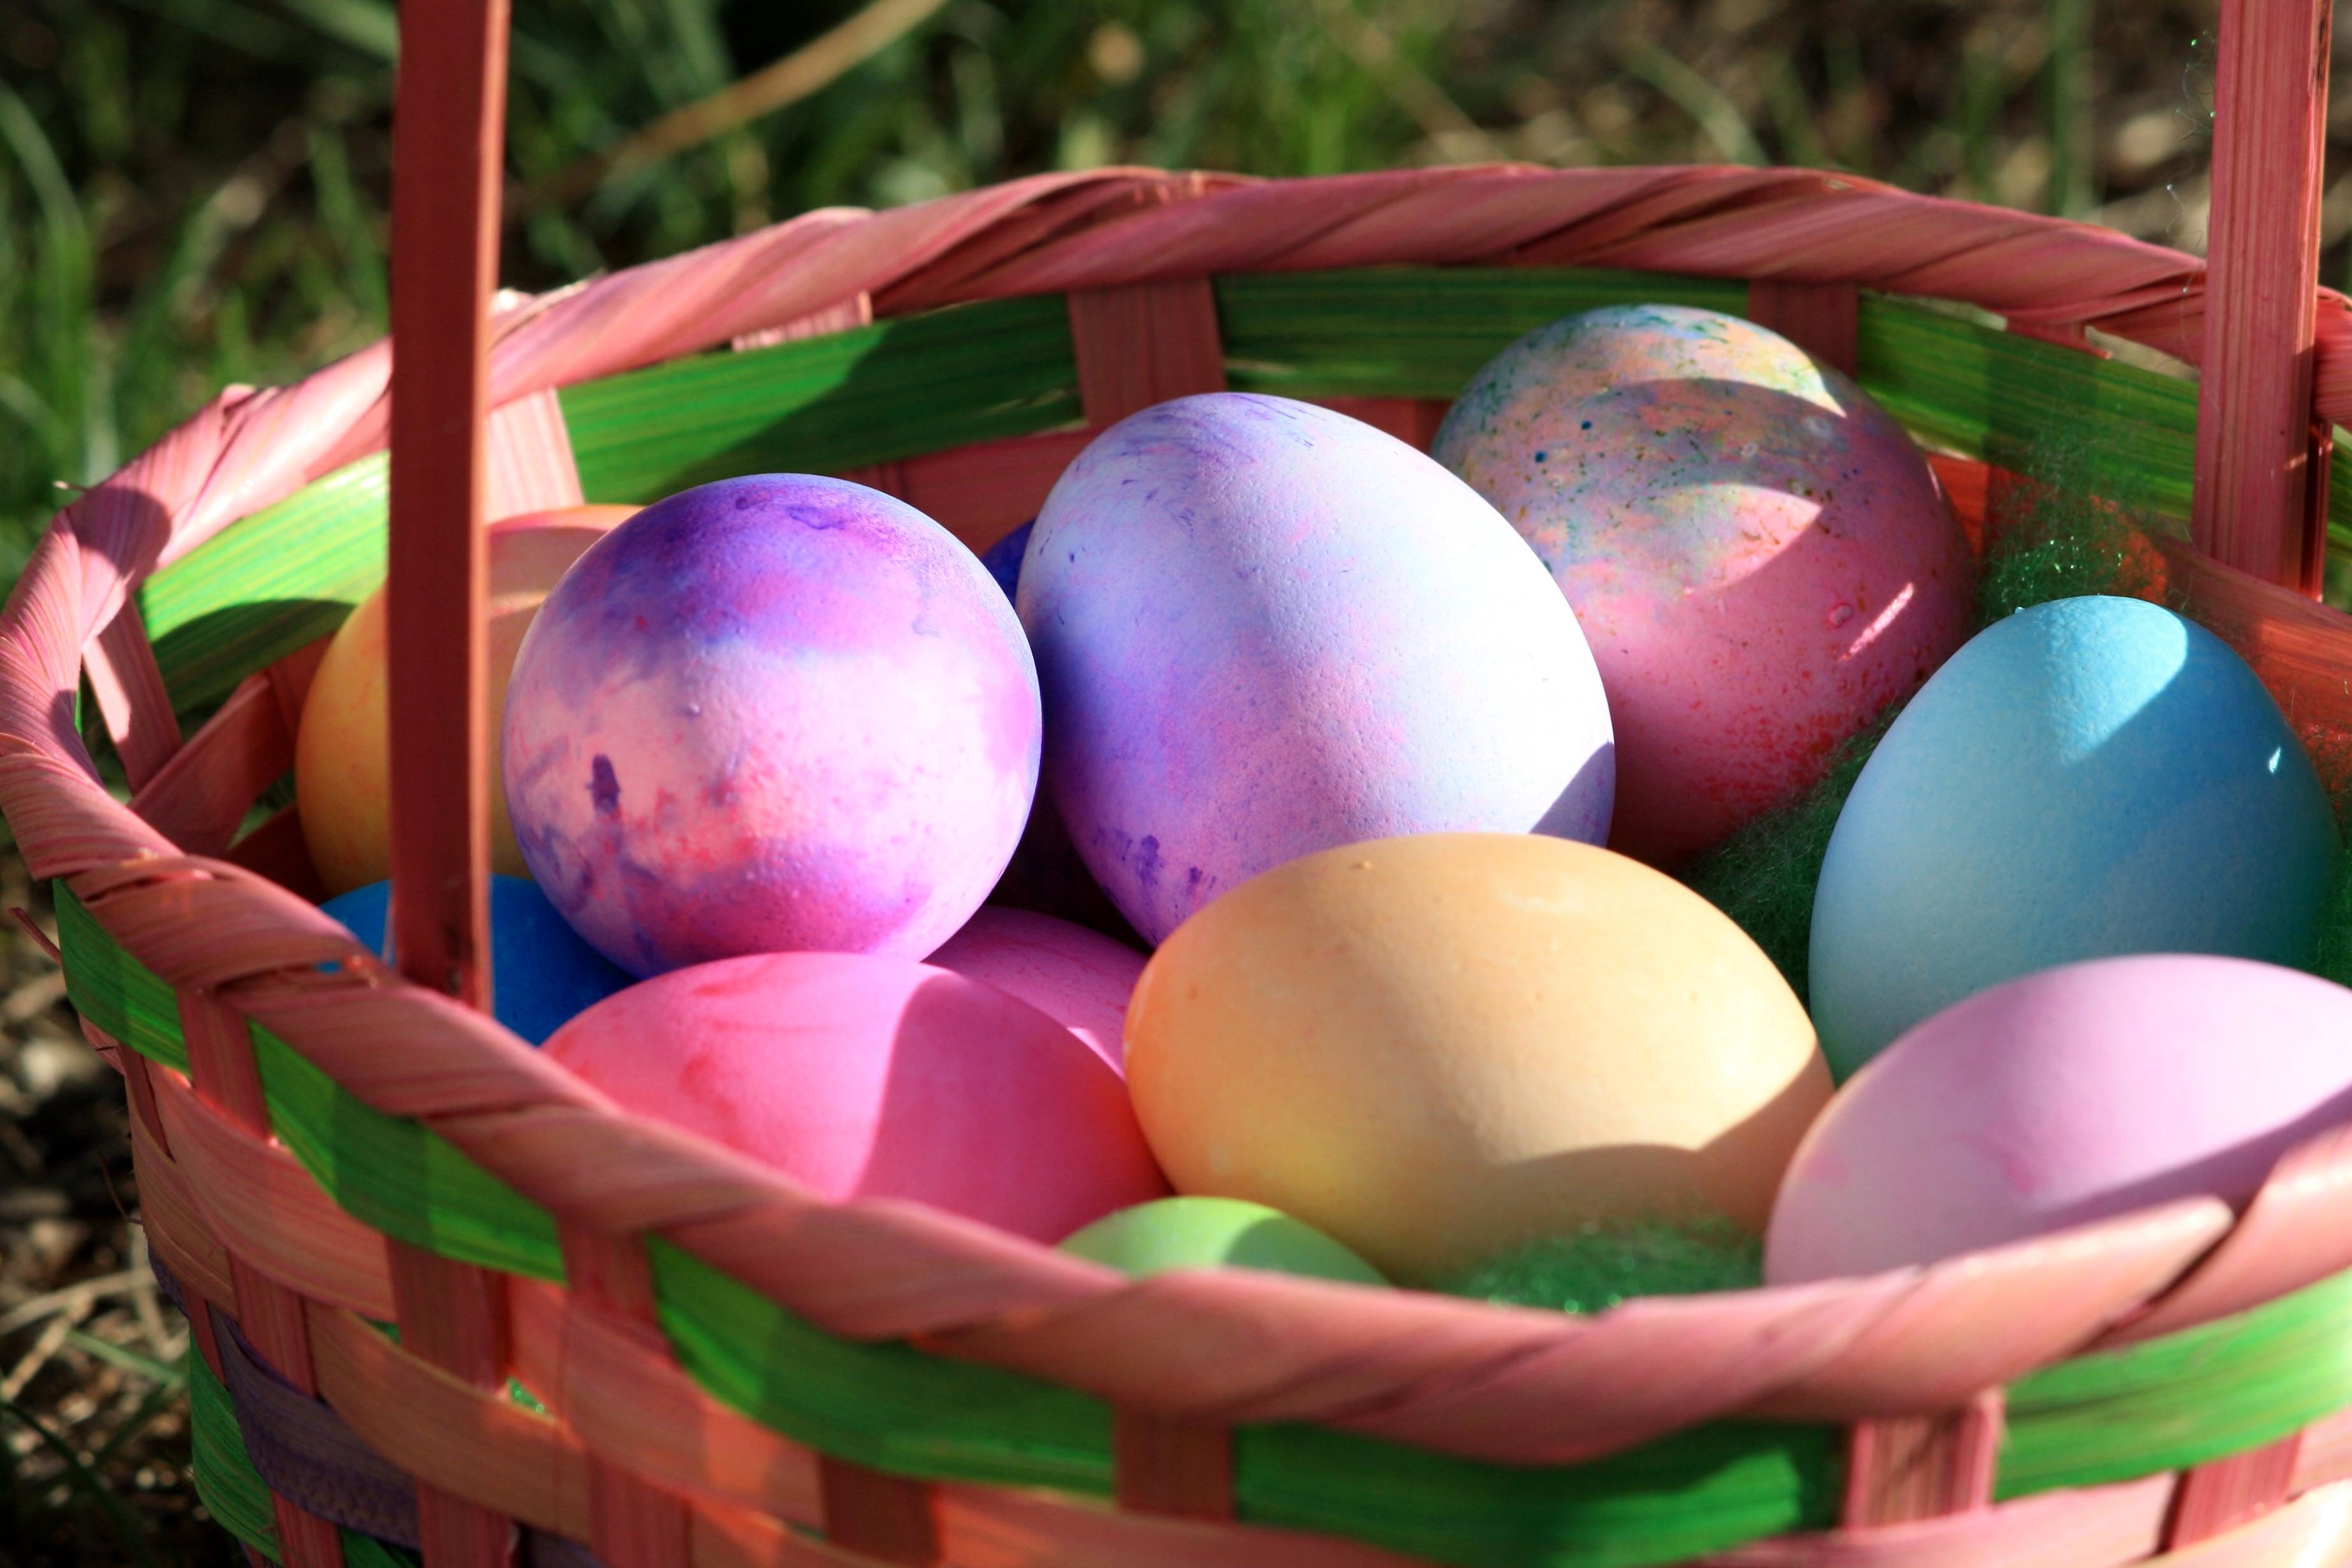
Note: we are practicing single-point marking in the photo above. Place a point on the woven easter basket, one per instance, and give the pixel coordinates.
(449, 1299)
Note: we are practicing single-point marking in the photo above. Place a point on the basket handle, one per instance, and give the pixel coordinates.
(448, 145)
(2262, 457)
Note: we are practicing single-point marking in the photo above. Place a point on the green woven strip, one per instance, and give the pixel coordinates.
(2210, 1390)
(113, 990)
(896, 1409)
(233, 1491)
(226, 1483)
(896, 389)
(2217, 1389)
(2006, 398)
(283, 577)
(1415, 331)
(884, 1406)
(1703, 1489)
(387, 1171)
(396, 1177)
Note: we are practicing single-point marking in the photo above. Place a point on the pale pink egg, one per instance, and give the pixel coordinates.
(2075, 1094)
(1080, 979)
(861, 1076)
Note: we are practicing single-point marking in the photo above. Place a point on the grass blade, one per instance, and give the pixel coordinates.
(86, 1480)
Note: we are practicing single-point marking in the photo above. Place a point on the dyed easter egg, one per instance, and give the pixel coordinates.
(1080, 979)
(2086, 778)
(541, 973)
(1217, 1232)
(2072, 1095)
(1264, 628)
(1441, 1047)
(771, 714)
(1002, 558)
(1757, 552)
(342, 766)
(861, 1076)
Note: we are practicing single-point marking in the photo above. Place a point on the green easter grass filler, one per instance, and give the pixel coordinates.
(1600, 1266)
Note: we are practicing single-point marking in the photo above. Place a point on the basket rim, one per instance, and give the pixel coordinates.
(1457, 1375)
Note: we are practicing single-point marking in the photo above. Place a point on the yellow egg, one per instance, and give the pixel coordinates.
(342, 750)
(1438, 1048)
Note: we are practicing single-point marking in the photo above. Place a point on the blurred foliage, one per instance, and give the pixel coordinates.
(191, 191)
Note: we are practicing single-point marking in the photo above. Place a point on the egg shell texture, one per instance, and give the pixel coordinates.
(2087, 778)
(1080, 979)
(2072, 1095)
(1757, 554)
(1440, 1047)
(866, 1076)
(1264, 628)
(1215, 1233)
(772, 713)
(342, 749)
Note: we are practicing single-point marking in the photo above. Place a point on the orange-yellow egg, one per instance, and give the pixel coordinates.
(1442, 1047)
(342, 752)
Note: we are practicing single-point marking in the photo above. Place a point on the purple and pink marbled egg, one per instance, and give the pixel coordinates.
(773, 713)
(1264, 628)
(1757, 554)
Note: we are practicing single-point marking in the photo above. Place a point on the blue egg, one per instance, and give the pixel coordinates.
(1002, 558)
(2087, 778)
(541, 973)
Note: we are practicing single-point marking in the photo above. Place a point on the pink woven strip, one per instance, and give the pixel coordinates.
(1106, 227)
(530, 466)
(2099, 1528)
(131, 698)
(2315, 1530)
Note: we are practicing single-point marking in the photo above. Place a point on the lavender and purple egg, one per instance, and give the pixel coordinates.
(772, 713)
(1264, 629)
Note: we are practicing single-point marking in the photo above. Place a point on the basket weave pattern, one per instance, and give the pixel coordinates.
(636, 1460)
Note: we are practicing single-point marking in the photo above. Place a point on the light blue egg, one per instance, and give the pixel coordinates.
(541, 973)
(2087, 778)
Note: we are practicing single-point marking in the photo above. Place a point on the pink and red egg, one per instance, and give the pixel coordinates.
(866, 1076)
(1079, 978)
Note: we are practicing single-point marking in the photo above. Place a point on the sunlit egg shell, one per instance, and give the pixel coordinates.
(1759, 556)
(2072, 1095)
(1215, 1233)
(772, 713)
(860, 1075)
(2087, 778)
(1264, 628)
(343, 765)
(1441, 1047)
(1079, 978)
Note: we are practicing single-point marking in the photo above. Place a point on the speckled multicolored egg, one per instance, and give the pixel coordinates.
(342, 752)
(2087, 778)
(1080, 979)
(1758, 554)
(865, 1077)
(2072, 1095)
(772, 713)
(1264, 628)
(1441, 1047)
